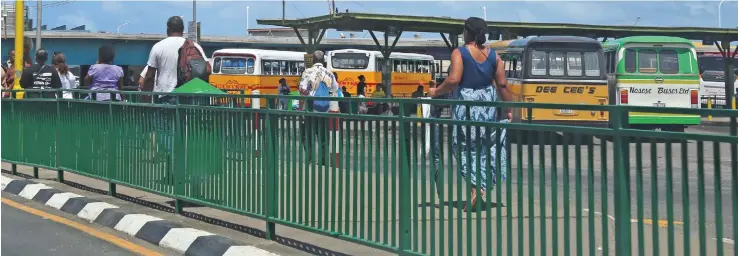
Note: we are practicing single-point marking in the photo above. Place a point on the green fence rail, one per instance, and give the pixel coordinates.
(394, 182)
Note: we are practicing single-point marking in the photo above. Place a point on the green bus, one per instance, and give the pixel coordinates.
(659, 71)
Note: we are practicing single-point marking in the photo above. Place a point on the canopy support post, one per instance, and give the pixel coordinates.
(729, 69)
(312, 41)
(386, 51)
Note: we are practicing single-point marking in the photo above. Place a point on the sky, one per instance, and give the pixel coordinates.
(229, 18)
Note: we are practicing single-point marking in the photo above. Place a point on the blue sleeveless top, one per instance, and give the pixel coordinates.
(477, 75)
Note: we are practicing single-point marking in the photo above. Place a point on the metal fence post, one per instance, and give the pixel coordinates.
(178, 155)
(405, 192)
(59, 172)
(111, 149)
(270, 157)
(622, 194)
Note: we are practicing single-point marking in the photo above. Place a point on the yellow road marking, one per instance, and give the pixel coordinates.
(661, 223)
(140, 250)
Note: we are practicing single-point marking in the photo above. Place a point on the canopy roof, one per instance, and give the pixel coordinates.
(380, 22)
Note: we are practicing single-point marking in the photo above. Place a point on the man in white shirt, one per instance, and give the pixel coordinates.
(161, 75)
(316, 129)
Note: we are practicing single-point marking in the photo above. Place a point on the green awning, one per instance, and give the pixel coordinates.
(197, 85)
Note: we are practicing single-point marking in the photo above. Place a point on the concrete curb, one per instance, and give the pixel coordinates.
(163, 233)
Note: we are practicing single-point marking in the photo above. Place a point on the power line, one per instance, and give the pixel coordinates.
(362, 5)
(55, 4)
(298, 9)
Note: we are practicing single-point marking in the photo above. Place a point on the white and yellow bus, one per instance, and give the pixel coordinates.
(408, 70)
(247, 70)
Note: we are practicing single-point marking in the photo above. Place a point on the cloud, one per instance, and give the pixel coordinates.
(78, 19)
(112, 7)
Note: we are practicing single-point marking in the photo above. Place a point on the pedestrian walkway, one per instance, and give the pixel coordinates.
(510, 222)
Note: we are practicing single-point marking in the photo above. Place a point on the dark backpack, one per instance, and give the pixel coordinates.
(191, 64)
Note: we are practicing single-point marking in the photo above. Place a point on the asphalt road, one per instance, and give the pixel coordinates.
(26, 234)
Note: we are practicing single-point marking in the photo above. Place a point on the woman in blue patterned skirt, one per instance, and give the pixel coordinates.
(477, 74)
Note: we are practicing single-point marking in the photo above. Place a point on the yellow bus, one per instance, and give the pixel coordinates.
(247, 70)
(556, 69)
(408, 70)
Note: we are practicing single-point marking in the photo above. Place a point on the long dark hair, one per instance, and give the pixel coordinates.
(60, 62)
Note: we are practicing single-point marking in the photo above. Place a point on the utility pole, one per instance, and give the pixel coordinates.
(247, 21)
(194, 11)
(19, 29)
(38, 25)
(283, 12)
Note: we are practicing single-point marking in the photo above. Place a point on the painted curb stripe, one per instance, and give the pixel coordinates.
(154, 230)
(75, 205)
(110, 217)
(132, 223)
(58, 200)
(4, 182)
(30, 190)
(92, 210)
(180, 239)
(44, 195)
(216, 244)
(16, 186)
(247, 250)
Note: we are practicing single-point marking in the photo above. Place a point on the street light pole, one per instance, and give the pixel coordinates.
(38, 24)
(247, 20)
(194, 11)
(720, 11)
(636, 21)
(117, 31)
(484, 8)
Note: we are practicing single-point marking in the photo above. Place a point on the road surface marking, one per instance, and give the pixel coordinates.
(725, 240)
(660, 223)
(91, 231)
(179, 239)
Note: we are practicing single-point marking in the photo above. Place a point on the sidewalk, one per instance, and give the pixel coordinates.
(716, 121)
(454, 232)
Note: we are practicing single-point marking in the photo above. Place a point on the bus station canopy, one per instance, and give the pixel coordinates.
(381, 22)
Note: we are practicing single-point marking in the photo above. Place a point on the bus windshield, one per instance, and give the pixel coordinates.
(350, 60)
(714, 63)
(233, 65)
(565, 63)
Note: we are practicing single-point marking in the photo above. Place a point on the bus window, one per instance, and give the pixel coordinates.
(347, 60)
(630, 60)
(410, 66)
(301, 66)
(592, 64)
(647, 61)
(668, 62)
(233, 65)
(283, 70)
(538, 67)
(216, 65)
(574, 63)
(556, 63)
(250, 63)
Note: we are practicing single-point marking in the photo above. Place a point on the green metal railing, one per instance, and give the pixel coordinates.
(394, 182)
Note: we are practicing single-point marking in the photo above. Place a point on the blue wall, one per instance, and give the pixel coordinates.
(136, 52)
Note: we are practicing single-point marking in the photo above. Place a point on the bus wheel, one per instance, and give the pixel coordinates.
(674, 128)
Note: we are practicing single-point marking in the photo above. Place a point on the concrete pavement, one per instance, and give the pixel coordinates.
(28, 234)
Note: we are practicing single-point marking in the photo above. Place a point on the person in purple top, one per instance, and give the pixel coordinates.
(104, 76)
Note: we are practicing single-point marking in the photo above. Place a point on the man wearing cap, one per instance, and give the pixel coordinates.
(40, 75)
